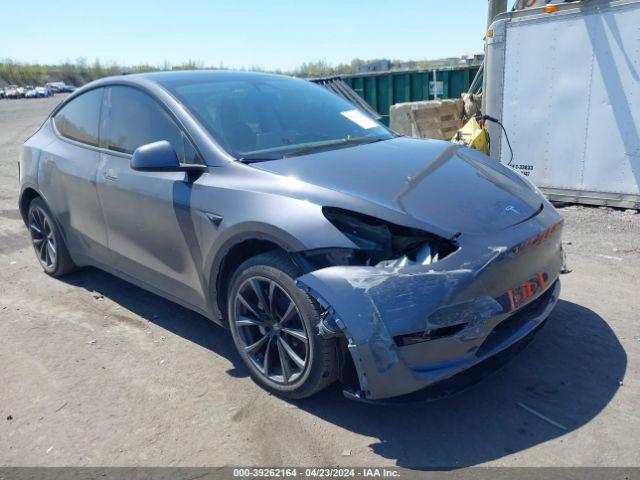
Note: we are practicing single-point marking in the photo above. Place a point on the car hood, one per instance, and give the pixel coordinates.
(438, 183)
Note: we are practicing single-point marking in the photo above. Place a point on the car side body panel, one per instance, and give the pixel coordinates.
(66, 178)
(152, 234)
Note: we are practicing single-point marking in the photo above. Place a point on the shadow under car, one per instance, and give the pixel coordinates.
(568, 374)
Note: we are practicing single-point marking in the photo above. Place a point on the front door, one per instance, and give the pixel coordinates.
(152, 234)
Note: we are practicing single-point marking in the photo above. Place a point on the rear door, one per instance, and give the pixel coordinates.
(151, 230)
(68, 172)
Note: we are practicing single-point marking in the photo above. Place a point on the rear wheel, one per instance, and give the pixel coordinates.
(48, 244)
(274, 325)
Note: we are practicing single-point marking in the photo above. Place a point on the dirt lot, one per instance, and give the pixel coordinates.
(95, 371)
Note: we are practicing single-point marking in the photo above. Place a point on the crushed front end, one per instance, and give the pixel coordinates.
(408, 325)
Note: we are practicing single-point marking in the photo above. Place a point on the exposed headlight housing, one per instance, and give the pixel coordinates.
(385, 244)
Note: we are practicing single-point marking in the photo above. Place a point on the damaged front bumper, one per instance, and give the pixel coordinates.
(408, 328)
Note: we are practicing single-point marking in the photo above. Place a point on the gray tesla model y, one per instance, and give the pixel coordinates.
(330, 247)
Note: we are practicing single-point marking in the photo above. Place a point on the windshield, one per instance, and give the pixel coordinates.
(262, 117)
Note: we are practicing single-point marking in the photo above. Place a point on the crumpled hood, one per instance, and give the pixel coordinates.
(439, 183)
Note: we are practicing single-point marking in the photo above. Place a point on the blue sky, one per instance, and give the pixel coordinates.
(245, 33)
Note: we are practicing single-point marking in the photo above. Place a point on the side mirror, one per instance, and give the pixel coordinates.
(161, 157)
(155, 156)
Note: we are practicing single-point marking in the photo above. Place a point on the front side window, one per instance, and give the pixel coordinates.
(79, 120)
(263, 117)
(136, 119)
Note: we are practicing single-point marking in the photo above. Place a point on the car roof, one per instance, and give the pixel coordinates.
(200, 75)
(163, 79)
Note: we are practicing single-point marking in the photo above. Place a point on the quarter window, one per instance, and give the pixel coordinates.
(79, 120)
(136, 119)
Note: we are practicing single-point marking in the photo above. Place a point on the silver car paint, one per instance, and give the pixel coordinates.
(169, 231)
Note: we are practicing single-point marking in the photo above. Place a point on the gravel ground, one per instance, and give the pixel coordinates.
(96, 372)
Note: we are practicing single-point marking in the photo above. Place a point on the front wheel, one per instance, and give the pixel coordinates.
(274, 325)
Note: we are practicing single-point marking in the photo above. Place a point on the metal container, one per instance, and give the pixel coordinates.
(565, 83)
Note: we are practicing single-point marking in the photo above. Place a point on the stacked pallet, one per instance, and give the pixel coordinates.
(439, 119)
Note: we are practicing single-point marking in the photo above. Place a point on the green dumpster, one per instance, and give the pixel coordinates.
(383, 89)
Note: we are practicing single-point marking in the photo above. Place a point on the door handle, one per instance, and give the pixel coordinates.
(110, 174)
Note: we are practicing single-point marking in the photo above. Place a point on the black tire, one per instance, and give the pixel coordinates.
(320, 353)
(47, 241)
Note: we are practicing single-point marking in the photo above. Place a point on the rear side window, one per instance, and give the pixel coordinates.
(136, 119)
(79, 120)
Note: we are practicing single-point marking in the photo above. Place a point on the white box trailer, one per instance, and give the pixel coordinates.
(566, 87)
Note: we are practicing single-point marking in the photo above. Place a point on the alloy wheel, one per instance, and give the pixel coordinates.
(271, 331)
(43, 238)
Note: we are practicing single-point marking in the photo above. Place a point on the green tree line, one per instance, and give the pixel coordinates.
(81, 71)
